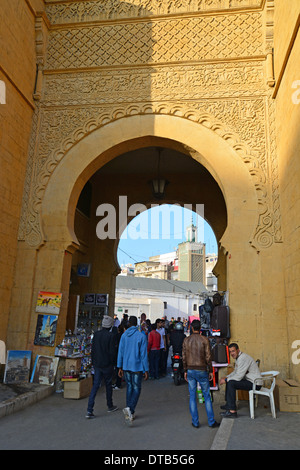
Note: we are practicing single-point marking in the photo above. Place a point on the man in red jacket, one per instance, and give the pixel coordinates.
(154, 352)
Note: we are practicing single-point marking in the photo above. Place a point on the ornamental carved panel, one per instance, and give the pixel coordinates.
(156, 41)
(205, 60)
(114, 9)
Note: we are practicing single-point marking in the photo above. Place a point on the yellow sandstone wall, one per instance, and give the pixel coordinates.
(287, 96)
(17, 71)
(206, 63)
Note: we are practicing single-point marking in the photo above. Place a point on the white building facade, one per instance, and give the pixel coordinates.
(158, 297)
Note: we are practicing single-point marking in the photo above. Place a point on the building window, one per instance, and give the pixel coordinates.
(195, 307)
(165, 305)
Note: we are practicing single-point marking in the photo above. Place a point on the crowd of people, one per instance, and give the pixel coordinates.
(130, 350)
(133, 349)
(160, 336)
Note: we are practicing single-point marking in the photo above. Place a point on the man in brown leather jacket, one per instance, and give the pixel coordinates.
(197, 366)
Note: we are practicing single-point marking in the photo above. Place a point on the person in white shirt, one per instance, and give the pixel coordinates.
(245, 372)
(116, 321)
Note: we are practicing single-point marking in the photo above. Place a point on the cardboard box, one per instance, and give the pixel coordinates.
(287, 395)
(79, 389)
(243, 395)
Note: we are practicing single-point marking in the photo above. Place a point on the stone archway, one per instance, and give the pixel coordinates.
(206, 142)
(205, 145)
(231, 164)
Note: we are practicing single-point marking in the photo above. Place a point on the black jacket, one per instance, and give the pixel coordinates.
(104, 349)
(176, 340)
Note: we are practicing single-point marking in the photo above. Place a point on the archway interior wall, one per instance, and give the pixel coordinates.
(125, 183)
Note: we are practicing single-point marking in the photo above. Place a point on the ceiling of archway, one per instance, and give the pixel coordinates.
(145, 160)
(189, 182)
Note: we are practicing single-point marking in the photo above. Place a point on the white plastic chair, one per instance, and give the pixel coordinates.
(268, 392)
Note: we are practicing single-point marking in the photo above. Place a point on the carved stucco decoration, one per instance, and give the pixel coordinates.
(156, 41)
(92, 10)
(83, 89)
(264, 234)
(197, 81)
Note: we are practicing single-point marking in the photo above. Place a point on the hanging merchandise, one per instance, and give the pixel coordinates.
(220, 320)
(204, 318)
(217, 299)
(208, 305)
(220, 353)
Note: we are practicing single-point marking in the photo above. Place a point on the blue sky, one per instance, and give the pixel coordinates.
(159, 230)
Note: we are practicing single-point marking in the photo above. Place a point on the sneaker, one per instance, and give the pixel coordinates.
(90, 415)
(228, 414)
(112, 408)
(215, 425)
(128, 416)
(116, 388)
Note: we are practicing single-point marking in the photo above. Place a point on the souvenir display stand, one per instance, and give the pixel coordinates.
(75, 349)
(75, 352)
(214, 319)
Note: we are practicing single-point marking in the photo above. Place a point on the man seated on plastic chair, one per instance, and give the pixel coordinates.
(245, 372)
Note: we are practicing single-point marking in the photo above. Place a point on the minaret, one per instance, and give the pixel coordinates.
(191, 232)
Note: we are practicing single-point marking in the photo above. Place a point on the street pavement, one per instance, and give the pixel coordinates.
(162, 424)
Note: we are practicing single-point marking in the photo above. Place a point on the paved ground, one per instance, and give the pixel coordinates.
(163, 423)
(264, 432)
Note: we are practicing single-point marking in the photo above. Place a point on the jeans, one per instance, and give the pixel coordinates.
(118, 379)
(154, 355)
(232, 386)
(133, 388)
(200, 376)
(163, 362)
(106, 374)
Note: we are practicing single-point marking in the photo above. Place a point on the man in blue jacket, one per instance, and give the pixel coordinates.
(133, 364)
